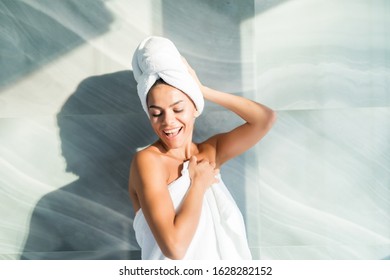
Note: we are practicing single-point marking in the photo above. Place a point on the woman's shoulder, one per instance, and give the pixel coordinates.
(146, 162)
(147, 156)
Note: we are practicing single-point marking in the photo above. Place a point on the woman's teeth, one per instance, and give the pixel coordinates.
(172, 132)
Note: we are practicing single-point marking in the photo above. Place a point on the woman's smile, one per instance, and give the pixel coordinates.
(172, 133)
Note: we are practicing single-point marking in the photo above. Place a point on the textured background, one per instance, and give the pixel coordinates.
(316, 187)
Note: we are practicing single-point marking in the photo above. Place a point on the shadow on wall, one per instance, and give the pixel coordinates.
(36, 32)
(101, 126)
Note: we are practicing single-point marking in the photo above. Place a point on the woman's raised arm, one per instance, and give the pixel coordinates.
(258, 121)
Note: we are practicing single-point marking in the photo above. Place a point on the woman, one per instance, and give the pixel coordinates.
(193, 218)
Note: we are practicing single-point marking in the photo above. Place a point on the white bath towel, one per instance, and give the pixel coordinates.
(157, 57)
(220, 234)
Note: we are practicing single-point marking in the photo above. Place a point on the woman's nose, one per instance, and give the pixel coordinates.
(168, 117)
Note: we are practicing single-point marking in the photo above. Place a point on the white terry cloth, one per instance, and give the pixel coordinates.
(157, 57)
(220, 234)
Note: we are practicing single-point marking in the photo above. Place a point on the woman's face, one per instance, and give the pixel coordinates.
(172, 115)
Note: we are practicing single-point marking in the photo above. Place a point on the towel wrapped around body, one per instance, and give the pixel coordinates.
(220, 234)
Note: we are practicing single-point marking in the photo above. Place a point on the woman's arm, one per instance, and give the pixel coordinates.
(258, 121)
(173, 230)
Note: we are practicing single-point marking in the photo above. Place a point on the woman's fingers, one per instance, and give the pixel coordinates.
(203, 171)
(193, 160)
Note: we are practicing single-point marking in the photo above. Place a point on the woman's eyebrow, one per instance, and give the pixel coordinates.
(157, 107)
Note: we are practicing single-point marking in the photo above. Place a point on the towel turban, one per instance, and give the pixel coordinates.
(157, 57)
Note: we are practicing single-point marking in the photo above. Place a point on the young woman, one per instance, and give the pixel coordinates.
(183, 210)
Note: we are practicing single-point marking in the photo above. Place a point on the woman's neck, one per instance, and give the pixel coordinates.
(181, 154)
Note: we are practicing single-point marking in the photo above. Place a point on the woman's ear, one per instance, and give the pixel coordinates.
(196, 114)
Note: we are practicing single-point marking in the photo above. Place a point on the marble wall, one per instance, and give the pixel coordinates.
(324, 177)
(316, 187)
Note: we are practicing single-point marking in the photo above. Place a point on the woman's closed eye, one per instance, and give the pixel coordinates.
(159, 113)
(156, 113)
(178, 110)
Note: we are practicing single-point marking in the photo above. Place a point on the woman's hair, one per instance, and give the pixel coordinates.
(158, 82)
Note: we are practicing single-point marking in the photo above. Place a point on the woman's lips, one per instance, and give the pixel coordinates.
(170, 133)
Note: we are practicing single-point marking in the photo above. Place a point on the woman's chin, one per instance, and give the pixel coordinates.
(172, 141)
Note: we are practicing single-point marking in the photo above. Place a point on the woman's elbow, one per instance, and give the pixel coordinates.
(269, 119)
(272, 118)
(266, 117)
(174, 250)
(174, 253)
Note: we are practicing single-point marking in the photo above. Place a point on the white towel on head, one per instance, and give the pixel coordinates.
(157, 57)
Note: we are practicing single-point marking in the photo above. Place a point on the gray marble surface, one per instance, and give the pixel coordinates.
(316, 187)
(324, 178)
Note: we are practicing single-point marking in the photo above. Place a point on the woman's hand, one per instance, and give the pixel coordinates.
(203, 173)
(192, 73)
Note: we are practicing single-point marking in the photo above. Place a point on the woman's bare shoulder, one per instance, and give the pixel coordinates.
(147, 173)
(147, 159)
(147, 154)
(146, 162)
